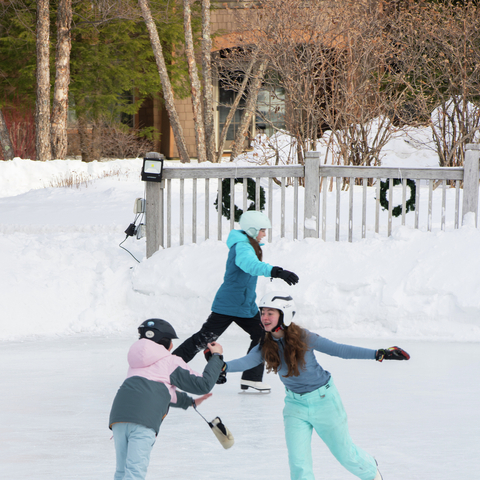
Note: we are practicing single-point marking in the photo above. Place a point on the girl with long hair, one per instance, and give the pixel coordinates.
(312, 400)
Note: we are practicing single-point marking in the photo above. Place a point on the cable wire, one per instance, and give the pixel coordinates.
(120, 245)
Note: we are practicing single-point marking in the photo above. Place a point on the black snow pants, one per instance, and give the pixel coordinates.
(215, 325)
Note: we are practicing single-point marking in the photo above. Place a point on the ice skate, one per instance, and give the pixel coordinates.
(249, 385)
(378, 476)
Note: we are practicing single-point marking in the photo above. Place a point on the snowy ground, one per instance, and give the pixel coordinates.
(72, 300)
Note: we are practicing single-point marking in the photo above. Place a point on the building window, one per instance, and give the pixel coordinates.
(270, 111)
(270, 115)
(225, 100)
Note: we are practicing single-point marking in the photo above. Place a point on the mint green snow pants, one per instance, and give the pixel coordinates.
(323, 411)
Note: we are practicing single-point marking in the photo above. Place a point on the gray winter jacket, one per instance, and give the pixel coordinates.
(150, 387)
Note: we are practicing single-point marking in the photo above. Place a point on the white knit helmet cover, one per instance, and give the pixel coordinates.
(252, 221)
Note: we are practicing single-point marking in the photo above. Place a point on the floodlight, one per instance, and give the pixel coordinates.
(152, 167)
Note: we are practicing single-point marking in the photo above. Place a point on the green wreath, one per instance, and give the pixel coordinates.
(410, 203)
(251, 186)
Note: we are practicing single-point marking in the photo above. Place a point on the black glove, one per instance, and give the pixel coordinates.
(208, 354)
(392, 353)
(222, 378)
(285, 275)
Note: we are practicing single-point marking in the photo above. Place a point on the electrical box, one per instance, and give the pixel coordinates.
(139, 206)
(141, 231)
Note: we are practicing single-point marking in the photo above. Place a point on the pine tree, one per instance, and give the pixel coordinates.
(111, 58)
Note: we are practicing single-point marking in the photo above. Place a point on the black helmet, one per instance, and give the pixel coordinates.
(155, 329)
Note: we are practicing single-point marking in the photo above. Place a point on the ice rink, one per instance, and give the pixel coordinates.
(420, 419)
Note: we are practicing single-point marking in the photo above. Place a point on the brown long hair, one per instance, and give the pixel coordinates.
(256, 246)
(295, 349)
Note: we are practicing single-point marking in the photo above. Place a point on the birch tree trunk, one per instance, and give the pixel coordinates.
(194, 82)
(250, 108)
(5, 140)
(208, 109)
(58, 129)
(42, 107)
(165, 80)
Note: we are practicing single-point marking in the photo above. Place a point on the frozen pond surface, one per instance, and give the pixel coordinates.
(420, 419)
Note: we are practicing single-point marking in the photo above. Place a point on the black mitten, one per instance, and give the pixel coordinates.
(208, 354)
(222, 378)
(392, 353)
(289, 277)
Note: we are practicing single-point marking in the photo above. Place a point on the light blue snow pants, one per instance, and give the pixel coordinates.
(323, 411)
(133, 444)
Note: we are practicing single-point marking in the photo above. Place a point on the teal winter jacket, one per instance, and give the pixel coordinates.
(236, 296)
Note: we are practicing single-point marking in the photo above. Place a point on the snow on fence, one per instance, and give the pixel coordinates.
(310, 200)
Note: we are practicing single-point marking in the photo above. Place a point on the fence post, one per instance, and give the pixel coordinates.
(470, 180)
(154, 216)
(312, 194)
(154, 212)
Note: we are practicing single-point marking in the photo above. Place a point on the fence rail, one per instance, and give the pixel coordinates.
(350, 174)
(322, 191)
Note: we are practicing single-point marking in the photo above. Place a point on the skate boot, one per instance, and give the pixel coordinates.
(378, 476)
(256, 386)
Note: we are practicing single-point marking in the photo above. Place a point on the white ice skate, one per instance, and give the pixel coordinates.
(378, 476)
(248, 385)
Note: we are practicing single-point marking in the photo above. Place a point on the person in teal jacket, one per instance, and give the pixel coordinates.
(235, 299)
(312, 401)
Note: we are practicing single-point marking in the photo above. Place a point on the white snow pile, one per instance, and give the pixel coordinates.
(64, 273)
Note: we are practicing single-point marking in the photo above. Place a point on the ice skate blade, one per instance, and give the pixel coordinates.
(253, 390)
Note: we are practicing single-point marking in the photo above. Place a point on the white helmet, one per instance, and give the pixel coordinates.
(252, 221)
(281, 301)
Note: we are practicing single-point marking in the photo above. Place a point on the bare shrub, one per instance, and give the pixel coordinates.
(120, 142)
(329, 59)
(436, 63)
(72, 180)
(79, 179)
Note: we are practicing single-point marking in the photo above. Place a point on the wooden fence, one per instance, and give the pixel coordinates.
(320, 188)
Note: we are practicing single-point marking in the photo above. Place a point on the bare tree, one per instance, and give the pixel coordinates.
(166, 85)
(285, 34)
(62, 80)
(202, 98)
(195, 86)
(436, 63)
(329, 60)
(361, 104)
(250, 109)
(208, 108)
(240, 91)
(5, 140)
(42, 107)
(201, 91)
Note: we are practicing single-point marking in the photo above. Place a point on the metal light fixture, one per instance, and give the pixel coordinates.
(152, 167)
